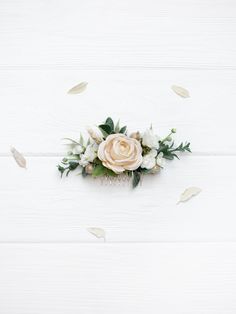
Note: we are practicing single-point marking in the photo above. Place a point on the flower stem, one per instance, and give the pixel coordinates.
(168, 136)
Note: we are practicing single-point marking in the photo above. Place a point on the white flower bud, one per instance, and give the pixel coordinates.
(150, 140)
(95, 134)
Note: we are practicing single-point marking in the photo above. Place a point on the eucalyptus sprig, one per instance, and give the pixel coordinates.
(170, 153)
(67, 167)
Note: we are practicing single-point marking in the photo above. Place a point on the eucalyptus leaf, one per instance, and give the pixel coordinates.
(110, 122)
(123, 129)
(73, 165)
(106, 129)
(61, 169)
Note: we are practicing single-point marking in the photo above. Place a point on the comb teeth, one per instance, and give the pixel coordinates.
(120, 180)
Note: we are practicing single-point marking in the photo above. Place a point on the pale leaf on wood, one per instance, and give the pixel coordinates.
(19, 158)
(182, 92)
(189, 193)
(79, 88)
(97, 232)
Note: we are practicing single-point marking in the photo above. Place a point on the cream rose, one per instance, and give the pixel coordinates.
(119, 153)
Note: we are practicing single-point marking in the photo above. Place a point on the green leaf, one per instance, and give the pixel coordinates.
(97, 161)
(123, 129)
(176, 156)
(110, 122)
(61, 169)
(73, 165)
(136, 178)
(99, 171)
(110, 173)
(106, 129)
(169, 157)
(84, 173)
(117, 127)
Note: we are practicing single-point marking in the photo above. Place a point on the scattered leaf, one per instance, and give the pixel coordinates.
(77, 89)
(189, 193)
(97, 232)
(19, 158)
(182, 92)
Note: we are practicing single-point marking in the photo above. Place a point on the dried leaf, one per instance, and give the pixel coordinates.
(77, 89)
(19, 158)
(182, 92)
(189, 193)
(97, 232)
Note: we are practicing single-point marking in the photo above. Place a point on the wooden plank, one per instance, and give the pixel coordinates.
(150, 278)
(163, 34)
(37, 112)
(36, 205)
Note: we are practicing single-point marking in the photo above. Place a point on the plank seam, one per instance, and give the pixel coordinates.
(119, 242)
(112, 68)
(61, 155)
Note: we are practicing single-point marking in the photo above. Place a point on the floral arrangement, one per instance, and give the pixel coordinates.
(110, 151)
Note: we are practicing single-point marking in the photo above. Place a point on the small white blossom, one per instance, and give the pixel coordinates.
(95, 134)
(149, 160)
(150, 140)
(160, 161)
(89, 155)
(78, 149)
(83, 161)
(91, 151)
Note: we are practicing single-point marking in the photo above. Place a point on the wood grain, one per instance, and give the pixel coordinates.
(37, 112)
(36, 205)
(150, 278)
(130, 52)
(175, 34)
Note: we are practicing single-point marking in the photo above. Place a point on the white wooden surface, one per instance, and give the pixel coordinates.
(158, 257)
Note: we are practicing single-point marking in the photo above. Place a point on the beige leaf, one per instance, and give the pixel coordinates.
(19, 158)
(77, 89)
(97, 232)
(182, 92)
(189, 193)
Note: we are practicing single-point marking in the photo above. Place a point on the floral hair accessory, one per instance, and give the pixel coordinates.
(111, 152)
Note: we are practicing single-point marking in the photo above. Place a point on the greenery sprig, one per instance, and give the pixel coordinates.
(146, 152)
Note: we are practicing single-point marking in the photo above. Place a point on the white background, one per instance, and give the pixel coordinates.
(158, 257)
